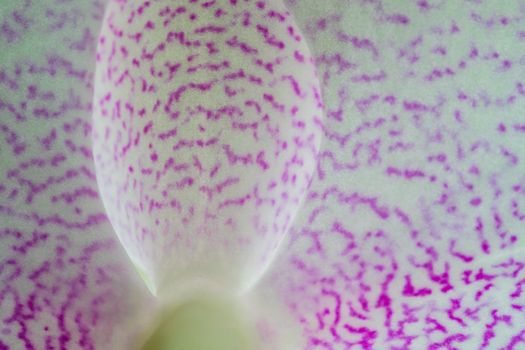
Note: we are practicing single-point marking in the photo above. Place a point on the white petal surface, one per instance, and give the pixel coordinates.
(207, 127)
(64, 279)
(412, 234)
(410, 237)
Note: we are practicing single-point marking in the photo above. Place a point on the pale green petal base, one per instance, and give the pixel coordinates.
(202, 323)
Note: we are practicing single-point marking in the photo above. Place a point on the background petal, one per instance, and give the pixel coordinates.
(64, 280)
(412, 234)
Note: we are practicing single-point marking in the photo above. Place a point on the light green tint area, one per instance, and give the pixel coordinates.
(145, 278)
(202, 324)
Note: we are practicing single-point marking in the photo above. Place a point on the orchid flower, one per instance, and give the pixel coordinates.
(262, 174)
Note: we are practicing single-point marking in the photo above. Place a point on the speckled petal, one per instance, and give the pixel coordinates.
(207, 123)
(410, 237)
(64, 279)
(412, 234)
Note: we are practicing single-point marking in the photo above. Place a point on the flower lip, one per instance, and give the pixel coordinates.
(205, 137)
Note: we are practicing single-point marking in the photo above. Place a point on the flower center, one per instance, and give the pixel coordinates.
(203, 323)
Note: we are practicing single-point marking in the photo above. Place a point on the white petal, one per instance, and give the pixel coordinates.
(412, 234)
(207, 121)
(64, 280)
